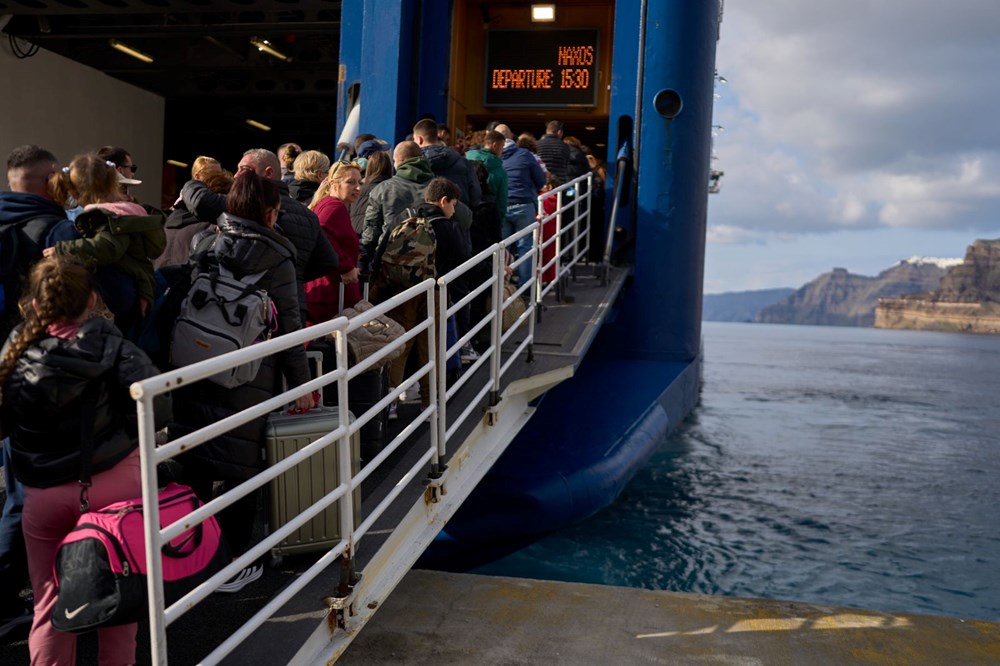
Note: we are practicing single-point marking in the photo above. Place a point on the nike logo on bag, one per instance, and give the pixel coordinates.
(71, 614)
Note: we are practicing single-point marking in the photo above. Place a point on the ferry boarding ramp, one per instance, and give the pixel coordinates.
(308, 607)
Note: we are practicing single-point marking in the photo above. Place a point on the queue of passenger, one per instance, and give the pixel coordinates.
(122, 268)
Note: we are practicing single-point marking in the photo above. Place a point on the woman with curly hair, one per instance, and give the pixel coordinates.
(65, 377)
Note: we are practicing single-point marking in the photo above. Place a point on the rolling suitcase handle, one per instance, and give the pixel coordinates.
(364, 294)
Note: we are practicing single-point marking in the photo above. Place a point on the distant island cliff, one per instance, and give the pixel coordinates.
(840, 298)
(967, 299)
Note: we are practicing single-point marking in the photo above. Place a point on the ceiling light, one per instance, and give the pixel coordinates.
(178, 164)
(543, 13)
(590, 128)
(266, 47)
(260, 126)
(135, 53)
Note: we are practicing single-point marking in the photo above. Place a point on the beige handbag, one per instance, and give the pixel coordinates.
(374, 335)
(515, 309)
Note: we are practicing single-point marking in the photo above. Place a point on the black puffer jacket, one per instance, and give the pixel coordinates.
(244, 247)
(53, 381)
(302, 190)
(314, 256)
(447, 163)
(181, 227)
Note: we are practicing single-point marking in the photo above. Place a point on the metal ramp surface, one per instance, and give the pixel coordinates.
(562, 339)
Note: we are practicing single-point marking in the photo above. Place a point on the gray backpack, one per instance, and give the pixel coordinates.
(222, 313)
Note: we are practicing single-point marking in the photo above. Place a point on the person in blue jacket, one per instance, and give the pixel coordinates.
(525, 180)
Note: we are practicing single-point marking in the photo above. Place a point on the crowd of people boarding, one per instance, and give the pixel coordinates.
(91, 279)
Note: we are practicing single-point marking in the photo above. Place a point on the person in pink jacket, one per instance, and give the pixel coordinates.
(332, 203)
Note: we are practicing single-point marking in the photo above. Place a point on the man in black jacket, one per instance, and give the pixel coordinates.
(446, 163)
(314, 256)
(27, 216)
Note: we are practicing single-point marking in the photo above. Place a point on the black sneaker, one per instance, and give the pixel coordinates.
(242, 579)
(16, 627)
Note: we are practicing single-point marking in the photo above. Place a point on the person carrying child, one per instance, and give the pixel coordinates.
(117, 236)
(65, 376)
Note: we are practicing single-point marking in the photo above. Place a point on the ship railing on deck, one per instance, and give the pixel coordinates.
(495, 360)
(570, 235)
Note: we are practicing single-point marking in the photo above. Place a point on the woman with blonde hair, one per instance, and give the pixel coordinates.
(309, 168)
(340, 189)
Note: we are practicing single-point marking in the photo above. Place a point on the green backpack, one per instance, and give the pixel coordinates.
(409, 253)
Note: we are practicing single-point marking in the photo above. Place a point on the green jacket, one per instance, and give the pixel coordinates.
(130, 242)
(388, 201)
(497, 178)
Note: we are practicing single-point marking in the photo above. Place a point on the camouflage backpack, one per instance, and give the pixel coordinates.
(409, 253)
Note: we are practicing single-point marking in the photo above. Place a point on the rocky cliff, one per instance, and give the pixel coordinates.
(840, 298)
(967, 300)
(740, 306)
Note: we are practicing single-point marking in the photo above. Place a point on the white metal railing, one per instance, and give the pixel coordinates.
(487, 371)
(567, 253)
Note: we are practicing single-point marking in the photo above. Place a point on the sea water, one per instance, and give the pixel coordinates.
(841, 466)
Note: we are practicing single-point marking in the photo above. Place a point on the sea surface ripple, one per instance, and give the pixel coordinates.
(841, 466)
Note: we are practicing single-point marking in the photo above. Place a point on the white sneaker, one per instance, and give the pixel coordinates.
(468, 354)
(411, 394)
(242, 579)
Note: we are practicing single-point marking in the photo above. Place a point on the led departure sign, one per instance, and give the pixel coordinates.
(552, 68)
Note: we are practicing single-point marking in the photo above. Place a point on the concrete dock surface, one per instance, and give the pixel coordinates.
(442, 618)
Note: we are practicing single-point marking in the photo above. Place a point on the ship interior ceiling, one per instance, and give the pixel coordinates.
(213, 79)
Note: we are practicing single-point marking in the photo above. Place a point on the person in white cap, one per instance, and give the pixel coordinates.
(124, 165)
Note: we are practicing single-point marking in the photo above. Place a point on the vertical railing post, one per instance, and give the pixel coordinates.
(442, 376)
(437, 438)
(536, 287)
(535, 260)
(344, 453)
(496, 326)
(559, 232)
(151, 525)
(576, 229)
(590, 213)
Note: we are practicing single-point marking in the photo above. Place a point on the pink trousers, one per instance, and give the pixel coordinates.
(49, 515)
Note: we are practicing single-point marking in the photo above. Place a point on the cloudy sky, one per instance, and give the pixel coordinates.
(857, 133)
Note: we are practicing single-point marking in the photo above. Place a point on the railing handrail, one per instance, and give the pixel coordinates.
(441, 431)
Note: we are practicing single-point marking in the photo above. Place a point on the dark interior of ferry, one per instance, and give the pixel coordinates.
(212, 77)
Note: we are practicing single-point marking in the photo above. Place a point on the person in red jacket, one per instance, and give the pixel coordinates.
(332, 205)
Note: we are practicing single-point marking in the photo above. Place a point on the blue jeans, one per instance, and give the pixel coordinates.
(520, 216)
(13, 558)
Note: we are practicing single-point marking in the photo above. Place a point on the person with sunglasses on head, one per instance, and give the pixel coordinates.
(332, 201)
(125, 167)
(314, 256)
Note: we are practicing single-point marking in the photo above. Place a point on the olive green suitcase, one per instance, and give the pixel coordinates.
(301, 486)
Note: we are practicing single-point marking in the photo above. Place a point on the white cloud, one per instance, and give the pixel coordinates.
(857, 115)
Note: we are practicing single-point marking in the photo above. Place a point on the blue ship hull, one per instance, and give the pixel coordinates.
(590, 434)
